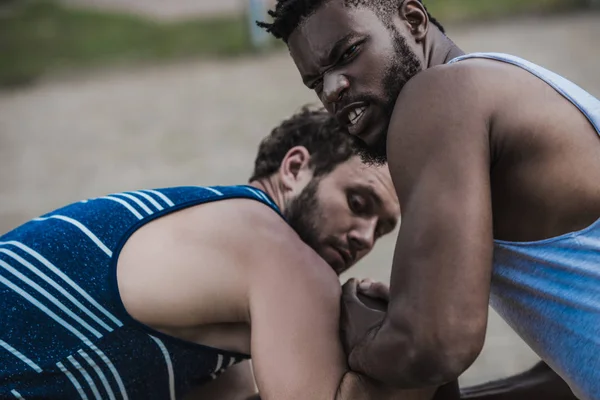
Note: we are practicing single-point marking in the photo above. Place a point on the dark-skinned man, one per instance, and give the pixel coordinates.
(496, 163)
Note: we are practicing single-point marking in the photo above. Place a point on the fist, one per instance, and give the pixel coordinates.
(363, 310)
(375, 295)
(372, 302)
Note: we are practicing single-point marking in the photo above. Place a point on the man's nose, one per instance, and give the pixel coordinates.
(362, 238)
(334, 86)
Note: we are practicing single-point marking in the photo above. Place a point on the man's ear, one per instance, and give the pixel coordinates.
(295, 171)
(414, 18)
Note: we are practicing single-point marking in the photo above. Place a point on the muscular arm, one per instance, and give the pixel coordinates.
(294, 302)
(438, 153)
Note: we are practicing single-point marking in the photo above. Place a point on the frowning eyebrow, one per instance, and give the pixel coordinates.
(337, 49)
(329, 58)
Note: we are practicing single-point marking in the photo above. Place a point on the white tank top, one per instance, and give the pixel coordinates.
(548, 291)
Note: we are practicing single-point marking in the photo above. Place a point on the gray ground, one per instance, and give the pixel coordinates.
(200, 122)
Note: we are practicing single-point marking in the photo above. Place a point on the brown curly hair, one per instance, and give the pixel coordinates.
(316, 130)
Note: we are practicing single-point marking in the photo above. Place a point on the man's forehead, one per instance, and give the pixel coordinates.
(378, 178)
(335, 12)
(333, 21)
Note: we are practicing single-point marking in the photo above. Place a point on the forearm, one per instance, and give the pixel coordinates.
(394, 353)
(393, 357)
(540, 382)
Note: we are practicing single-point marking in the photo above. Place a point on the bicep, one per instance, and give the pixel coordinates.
(294, 311)
(439, 159)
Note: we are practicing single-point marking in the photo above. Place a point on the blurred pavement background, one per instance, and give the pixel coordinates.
(94, 102)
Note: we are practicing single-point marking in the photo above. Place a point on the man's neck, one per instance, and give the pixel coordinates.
(440, 49)
(269, 186)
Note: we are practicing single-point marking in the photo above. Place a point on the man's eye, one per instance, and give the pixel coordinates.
(356, 204)
(350, 52)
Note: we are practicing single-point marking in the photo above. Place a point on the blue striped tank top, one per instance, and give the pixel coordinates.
(549, 290)
(64, 332)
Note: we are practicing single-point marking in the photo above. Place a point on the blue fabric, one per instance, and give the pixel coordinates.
(64, 332)
(549, 290)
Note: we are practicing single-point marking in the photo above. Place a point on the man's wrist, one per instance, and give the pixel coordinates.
(360, 354)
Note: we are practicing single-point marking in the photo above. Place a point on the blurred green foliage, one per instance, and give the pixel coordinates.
(463, 10)
(40, 36)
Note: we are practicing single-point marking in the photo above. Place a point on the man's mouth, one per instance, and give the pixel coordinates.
(354, 117)
(346, 256)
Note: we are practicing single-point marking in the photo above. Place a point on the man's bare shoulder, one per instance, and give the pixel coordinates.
(243, 213)
(238, 218)
(449, 100)
(239, 222)
(216, 254)
(277, 266)
(258, 236)
(442, 117)
(470, 82)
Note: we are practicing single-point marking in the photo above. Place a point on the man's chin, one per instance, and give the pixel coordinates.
(372, 154)
(333, 259)
(373, 158)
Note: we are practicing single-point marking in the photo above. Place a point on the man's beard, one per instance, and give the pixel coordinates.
(303, 212)
(404, 65)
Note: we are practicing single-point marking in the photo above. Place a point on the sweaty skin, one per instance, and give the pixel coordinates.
(473, 156)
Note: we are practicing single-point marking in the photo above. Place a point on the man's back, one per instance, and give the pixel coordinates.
(478, 150)
(546, 204)
(504, 138)
(541, 148)
(66, 330)
(188, 274)
(545, 164)
(501, 156)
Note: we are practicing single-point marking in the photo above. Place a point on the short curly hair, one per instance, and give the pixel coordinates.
(289, 14)
(317, 131)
